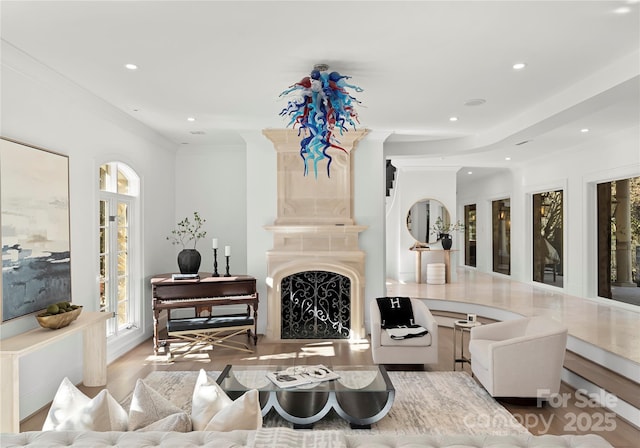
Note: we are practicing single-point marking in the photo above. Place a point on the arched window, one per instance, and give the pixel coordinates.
(119, 191)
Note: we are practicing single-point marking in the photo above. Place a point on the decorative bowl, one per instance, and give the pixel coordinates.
(57, 321)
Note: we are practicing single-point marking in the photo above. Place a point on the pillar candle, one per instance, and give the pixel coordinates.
(214, 243)
(227, 251)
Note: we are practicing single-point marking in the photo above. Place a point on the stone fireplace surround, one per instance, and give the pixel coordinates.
(314, 229)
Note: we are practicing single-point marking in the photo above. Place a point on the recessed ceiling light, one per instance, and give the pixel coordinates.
(622, 10)
(191, 119)
(131, 66)
(584, 130)
(469, 172)
(507, 158)
(519, 66)
(475, 102)
(453, 118)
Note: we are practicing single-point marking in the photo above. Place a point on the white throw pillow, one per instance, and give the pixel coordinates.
(150, 411)
(179, 422)
(72, 410)
(213, 410)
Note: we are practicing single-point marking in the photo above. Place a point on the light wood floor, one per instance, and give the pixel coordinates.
(568, 419)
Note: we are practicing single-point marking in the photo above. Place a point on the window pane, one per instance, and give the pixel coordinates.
(123, 318)
(104, 293)
(547, 238)
(122, 288)
(122, 239)
(123, 218)
(105, 175)
(122, 263)
(501, 225)
(104, 213)
(123, 183)
(104, 248)
(123, 295)
(104, 266)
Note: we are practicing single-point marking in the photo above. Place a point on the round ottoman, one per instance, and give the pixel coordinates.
(436, 274)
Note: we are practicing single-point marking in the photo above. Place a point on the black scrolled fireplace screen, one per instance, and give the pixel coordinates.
(316, 305)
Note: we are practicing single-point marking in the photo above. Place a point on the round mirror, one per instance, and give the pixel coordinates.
(422, 215)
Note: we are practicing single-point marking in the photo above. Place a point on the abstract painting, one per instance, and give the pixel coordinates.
(36, 256)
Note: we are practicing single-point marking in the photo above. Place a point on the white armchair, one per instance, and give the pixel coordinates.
(420, 350)
(519, 358)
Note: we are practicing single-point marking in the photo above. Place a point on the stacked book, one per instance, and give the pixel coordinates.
(185, 277)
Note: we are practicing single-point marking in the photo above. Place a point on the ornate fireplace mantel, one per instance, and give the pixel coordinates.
(314, 228)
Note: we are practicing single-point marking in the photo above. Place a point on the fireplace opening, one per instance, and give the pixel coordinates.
(316, 305)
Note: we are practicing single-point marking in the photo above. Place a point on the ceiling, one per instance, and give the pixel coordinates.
(226, 63)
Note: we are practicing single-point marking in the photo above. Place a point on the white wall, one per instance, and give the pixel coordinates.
(41, 108)
(212, 181)
(483, 192)
(369, 178)
(261, 211)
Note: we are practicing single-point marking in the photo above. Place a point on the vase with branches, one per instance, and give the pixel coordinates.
(444, 229)
(187, 231)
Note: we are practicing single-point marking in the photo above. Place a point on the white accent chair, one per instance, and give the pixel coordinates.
(519, 358)
(421, 350)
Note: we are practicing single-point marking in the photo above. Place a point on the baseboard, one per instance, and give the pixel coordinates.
(119, 346)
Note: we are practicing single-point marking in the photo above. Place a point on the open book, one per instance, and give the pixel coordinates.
(299, 375)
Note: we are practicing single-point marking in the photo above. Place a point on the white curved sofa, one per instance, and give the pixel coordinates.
(286, 438)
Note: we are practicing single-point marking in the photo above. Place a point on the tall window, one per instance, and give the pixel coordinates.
(619, 240)
(119, 187)
(501, 226)
(548, 221)
(470, 235)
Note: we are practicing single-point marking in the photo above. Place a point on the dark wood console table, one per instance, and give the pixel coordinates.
(202, 294)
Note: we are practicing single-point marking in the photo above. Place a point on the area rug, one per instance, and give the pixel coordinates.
(425, 403)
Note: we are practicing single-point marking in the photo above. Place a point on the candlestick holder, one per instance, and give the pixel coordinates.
(215, 263)
(227, 274)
